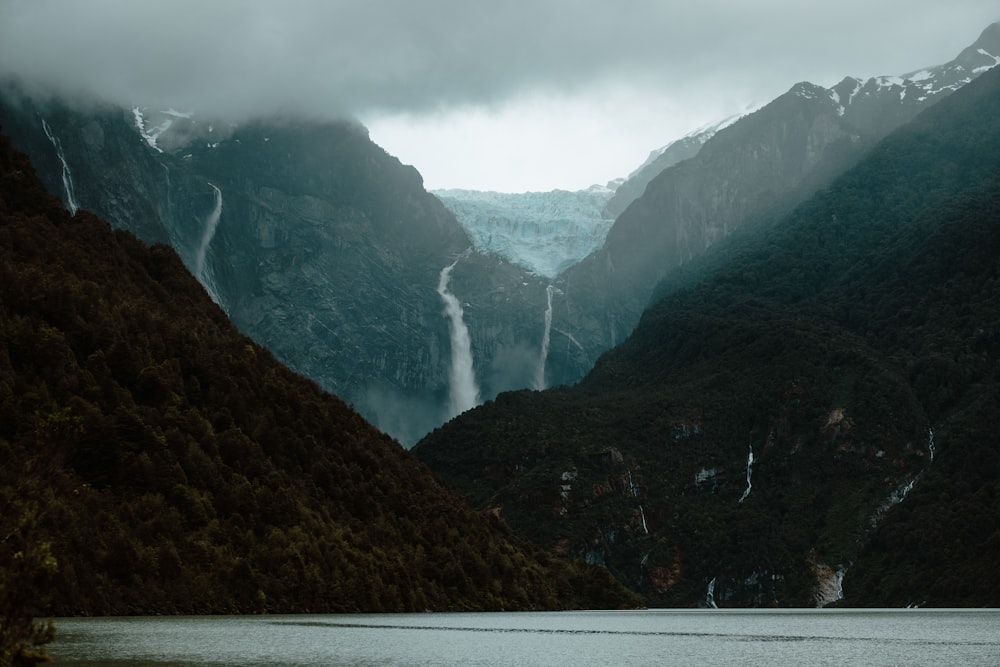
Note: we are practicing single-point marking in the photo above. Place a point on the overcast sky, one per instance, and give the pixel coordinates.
(508, 95)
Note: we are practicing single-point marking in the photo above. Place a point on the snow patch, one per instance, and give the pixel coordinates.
(150, 135)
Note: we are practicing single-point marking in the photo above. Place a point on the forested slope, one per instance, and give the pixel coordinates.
(170, 465)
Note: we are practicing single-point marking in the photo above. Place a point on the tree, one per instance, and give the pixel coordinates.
(26, 565)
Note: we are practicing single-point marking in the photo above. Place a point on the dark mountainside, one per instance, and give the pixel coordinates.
(758, 168)
(808, 404)
(170, 465)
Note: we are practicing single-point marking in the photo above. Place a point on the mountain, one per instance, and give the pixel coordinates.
(329, 252)
(804, 415)
(170, 465)
(663, 158)
(757, 168)
(543, 232)
(316, 243)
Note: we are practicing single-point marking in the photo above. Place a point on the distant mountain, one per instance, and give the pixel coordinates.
(171, 465)
(676, 151)
(805, 414)
(543, 232)
(755, 169)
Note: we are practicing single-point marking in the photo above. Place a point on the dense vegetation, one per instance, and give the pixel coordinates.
(156, 461)
(853, 345)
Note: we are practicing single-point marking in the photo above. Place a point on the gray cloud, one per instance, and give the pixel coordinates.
(237, 58)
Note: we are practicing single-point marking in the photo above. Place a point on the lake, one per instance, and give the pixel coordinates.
(646, 637)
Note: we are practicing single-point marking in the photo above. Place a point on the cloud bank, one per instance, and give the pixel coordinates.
(327, 57)
(437, 66)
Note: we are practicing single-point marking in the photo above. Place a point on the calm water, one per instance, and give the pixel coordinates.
(655, 637)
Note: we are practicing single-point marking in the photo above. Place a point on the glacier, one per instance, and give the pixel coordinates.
(543, 232)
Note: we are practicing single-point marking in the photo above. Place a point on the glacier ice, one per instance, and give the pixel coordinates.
(544, 232)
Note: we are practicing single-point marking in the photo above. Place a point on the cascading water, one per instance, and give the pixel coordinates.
(749, 472)
(67, 178)
(463, 390)
(930, 443)
(546, 335)
(710, 595)
(200, 270)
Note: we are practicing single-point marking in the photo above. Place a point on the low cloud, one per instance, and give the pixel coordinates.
(237, 59)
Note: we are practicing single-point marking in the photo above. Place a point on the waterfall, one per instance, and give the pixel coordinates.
(211, 222)
(540, 374)
(67, 178)
(710, 595)
(643, 515)
(749, 472)
(464, 393)
(930, 443)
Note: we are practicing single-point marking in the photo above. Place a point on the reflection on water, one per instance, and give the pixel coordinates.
(713, 637)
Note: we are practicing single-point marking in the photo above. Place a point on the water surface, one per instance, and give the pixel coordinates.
(648, 637)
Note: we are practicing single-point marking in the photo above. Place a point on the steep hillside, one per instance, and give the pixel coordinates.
(757, 168)
(171, 465)
(658, 161)
(805, 411)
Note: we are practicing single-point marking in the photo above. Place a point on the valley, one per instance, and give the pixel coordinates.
(272, 372)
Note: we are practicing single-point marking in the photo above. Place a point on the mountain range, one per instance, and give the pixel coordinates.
(768, 350)
(329, 252)
(753, 441)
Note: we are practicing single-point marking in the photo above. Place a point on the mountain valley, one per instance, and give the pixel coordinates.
(760, 371)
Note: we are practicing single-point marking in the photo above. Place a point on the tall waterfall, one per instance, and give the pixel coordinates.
(463, 391)
(67, 178)
(546, 335)
(211, 222)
